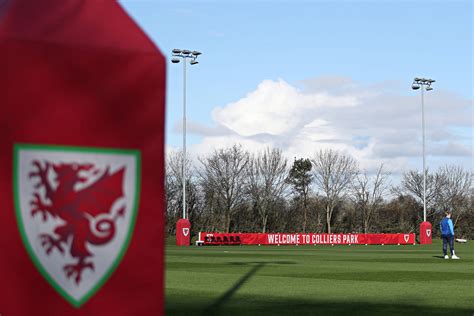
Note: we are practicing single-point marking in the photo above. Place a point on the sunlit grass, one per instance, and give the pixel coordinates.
(311, 280)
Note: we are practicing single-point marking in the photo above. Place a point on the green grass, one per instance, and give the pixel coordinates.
(319, 280)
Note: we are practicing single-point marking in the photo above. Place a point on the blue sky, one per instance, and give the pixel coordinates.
(358, 54)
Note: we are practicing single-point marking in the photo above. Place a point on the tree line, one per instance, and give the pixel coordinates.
(232, 190)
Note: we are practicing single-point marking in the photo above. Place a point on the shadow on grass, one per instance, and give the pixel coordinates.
(231, 303)
(261, 306)
(439, 257)
(377, 276)
(215, 307)
(251, 263)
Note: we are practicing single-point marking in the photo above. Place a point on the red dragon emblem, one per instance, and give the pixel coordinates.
(85, 212)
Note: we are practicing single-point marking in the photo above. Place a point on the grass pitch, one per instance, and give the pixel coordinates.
(319, 280)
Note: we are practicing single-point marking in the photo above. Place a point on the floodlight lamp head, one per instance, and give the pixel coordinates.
(415, 86)
(196, 53)
(175, 60)
(194, 62)
(186, 52)
(429, 88)
(417, 79)
(176, 51)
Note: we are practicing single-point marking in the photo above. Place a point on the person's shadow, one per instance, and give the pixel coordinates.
(439, 257)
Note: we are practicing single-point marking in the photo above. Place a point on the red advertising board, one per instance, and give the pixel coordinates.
(206, 238)
(82, 108)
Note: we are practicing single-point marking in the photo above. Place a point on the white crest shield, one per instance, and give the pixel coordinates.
(76, 209)
(185, 231)
(428, 232)
(406, 237)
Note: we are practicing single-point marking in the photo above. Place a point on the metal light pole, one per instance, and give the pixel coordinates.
(423, 83)
(183, 55)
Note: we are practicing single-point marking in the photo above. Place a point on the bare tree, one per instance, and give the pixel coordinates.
(233, 191)
(447, 188)
(412, 184)
(223, 179)
(456, 189)
(333, 173)
(367, 193)
(266, 181)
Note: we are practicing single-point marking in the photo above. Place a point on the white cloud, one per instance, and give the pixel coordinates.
(275, 108)
(373, 122)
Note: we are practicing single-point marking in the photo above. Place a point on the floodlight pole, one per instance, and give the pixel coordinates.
(184, 55)
(423, 84)
(424, 155)
(184, 139)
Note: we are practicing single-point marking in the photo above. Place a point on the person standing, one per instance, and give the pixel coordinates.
(447, 234)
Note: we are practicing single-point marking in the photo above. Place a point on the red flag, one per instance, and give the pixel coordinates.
(82, 92)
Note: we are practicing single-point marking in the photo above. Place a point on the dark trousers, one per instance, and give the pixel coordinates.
(448, 239)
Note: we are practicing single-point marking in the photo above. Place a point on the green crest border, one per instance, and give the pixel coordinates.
(123, 250)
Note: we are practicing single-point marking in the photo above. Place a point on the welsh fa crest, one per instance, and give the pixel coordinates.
(428, 232)
(406, 237)
(185, 231)
(76, 209)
